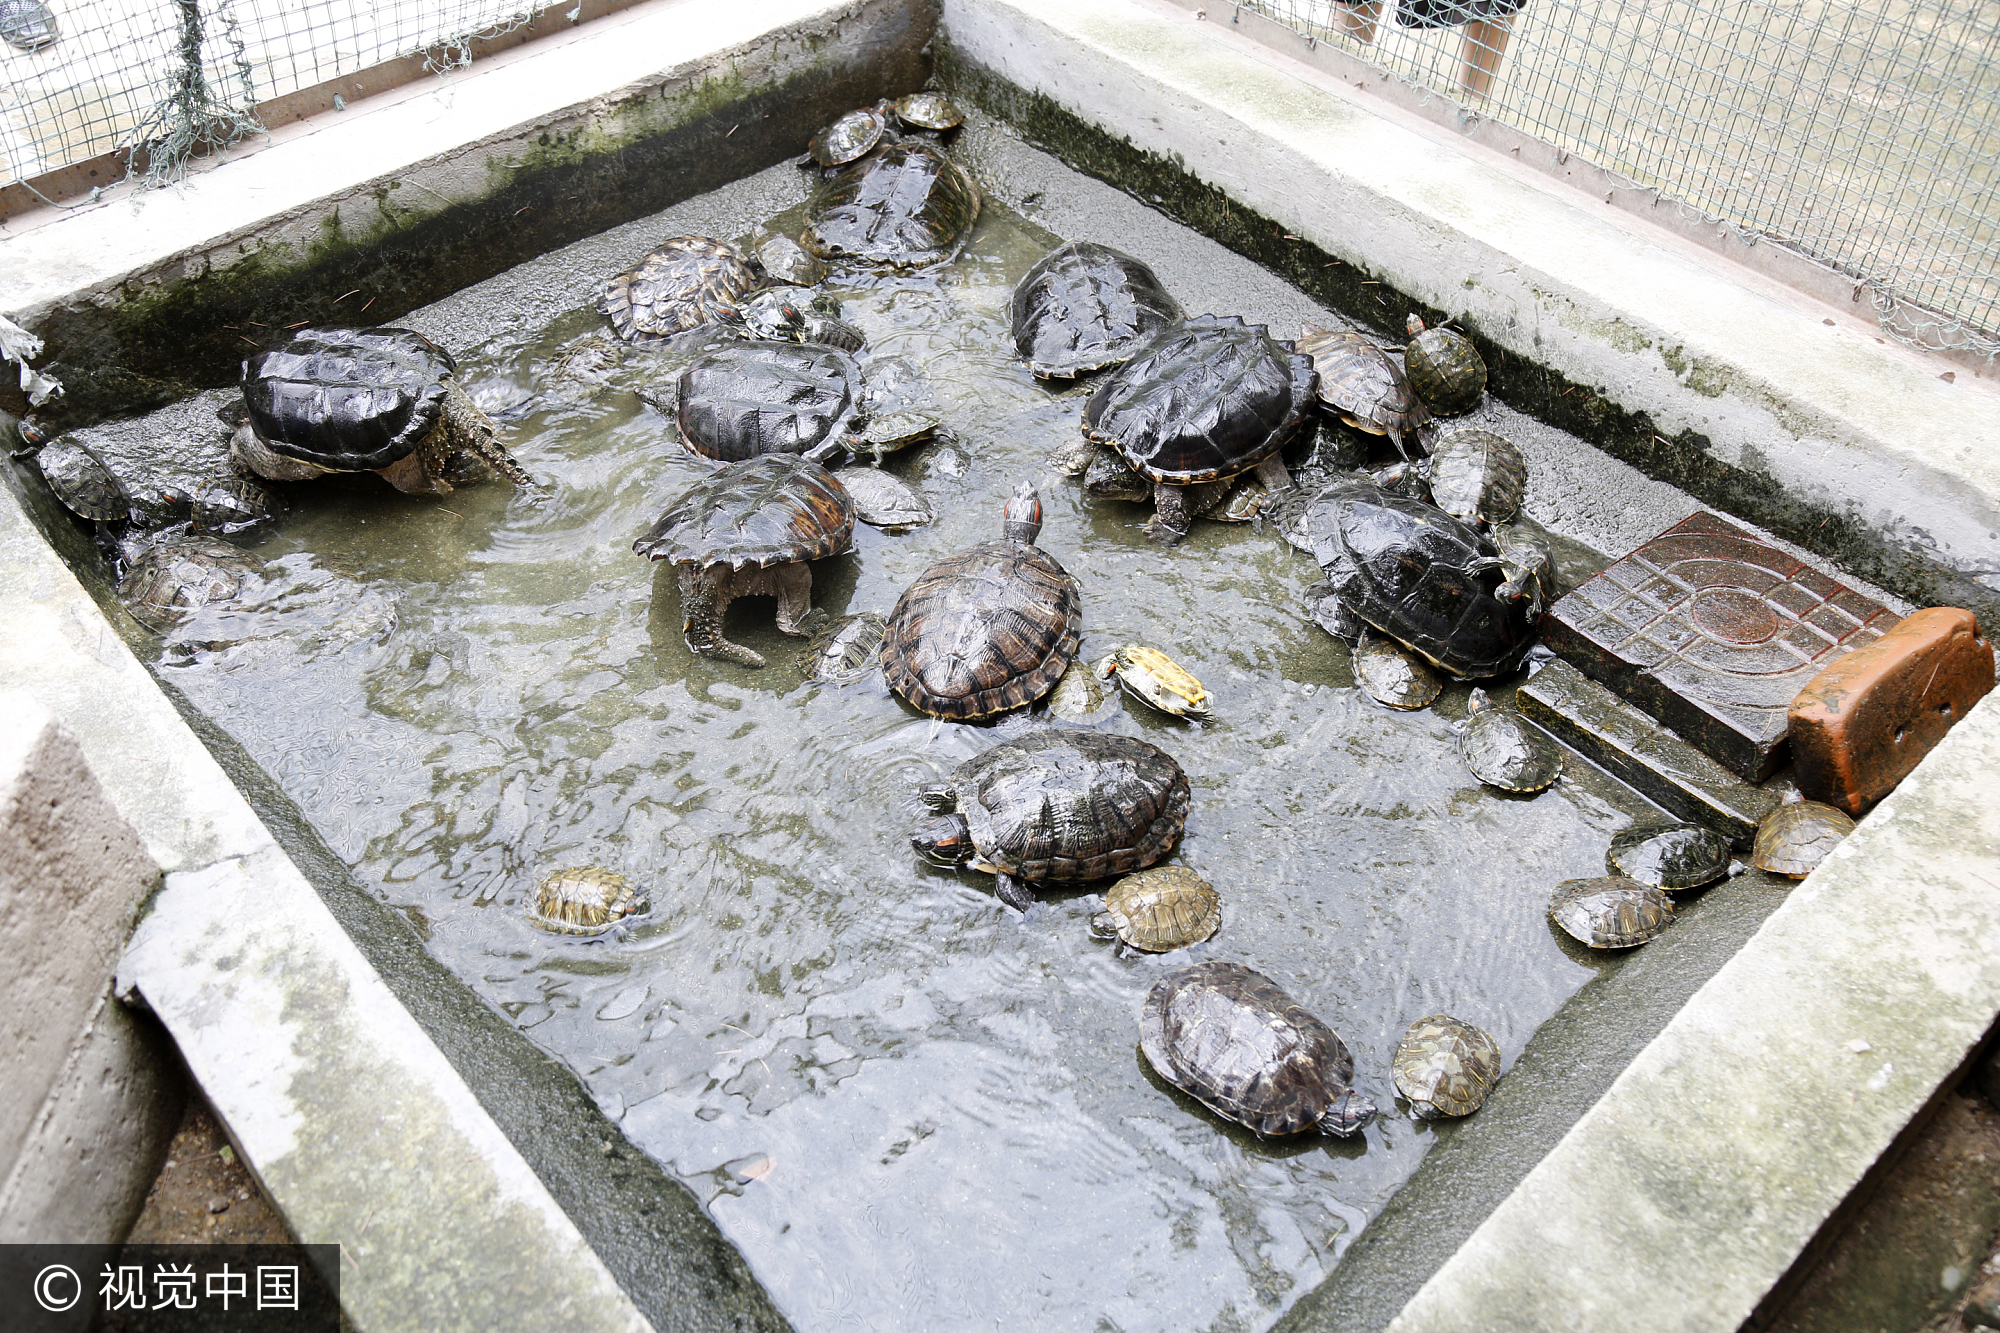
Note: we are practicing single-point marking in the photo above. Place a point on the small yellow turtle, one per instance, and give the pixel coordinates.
(1149, 675)
(1167, 907)
(583, 900)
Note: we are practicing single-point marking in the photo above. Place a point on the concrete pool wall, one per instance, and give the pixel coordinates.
(1754, 398)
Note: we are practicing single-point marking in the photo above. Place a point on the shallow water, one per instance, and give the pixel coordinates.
(908, 1107)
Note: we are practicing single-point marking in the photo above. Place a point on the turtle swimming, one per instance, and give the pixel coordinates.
(1158, 910)
(583, 900)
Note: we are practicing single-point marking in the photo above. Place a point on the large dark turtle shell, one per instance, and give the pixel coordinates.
(752, 398)
(1399, 564)
(1084, 306)
(82, 481)
(349, 400)
(684, 284)
(1362, 385)
(906, 204)
(1061, 803)
(1231, 1038)
(1203, 400)
(988, 629)
(768, 510)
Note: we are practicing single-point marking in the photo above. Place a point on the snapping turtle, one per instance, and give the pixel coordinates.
(906, 205)
(1084, 306)
(745, 529)
(685, 283)
(583, 900)
(169, 579)
(1477, 477)
(1201, 402)
(749, 398)
(1611, 912)
(1150, 676)
(1158, 910)
(1505, 750)
(1444, 368)
(791, 314)
(1231, 1038)
(845, 651)
(988, 629)
(384, 400)
(1445, 1067)
(1393, 675)
(1794, 838)
(1364, 388)
(849, 136)
(1056, 805)
(1672, 856)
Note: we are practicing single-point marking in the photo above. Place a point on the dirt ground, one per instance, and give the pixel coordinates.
(204, 1195)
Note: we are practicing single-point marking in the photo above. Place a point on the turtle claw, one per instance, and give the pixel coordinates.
(723, 650)
(1013, 892)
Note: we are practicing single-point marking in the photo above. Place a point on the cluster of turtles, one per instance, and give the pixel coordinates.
(1431, 571)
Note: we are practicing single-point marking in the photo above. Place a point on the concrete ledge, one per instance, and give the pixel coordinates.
(1714, 378)
(1722, 1150)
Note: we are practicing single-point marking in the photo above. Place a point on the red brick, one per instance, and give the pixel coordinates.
(1862, 724)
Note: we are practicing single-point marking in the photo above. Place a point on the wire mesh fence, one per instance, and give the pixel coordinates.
(157, 79)
(1863, 135)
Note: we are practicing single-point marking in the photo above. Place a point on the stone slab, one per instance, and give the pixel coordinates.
(1714, 632)
(1789, 1075)
(1861, 725)
(1642, 753)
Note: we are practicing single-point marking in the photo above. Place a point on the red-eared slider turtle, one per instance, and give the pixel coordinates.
(988, 629)
(230, 504)
(1364, 388)
(1232, 1039)
(746, 529)
(1245, 502)
(1793, 839)
(1084, 306)
(883, 501)
(1078, 696)
(1201, 402)
(1527, 564)
(1445, 1067)
(791, 314)
(1402, 566)
(1672, 856)
(1611, 912)
(1444, 368)
(1505, 750)
(1151, 677)
(1477, 477)
(928, 110)
(849, 136)
(684, 284)
(1057, 805)
(1158, 910)
(583, 900)
(844, 651)
(783, 261)
(83, 482)
(382, 400)
(169, 579)
(1393, 675)
(907, 205)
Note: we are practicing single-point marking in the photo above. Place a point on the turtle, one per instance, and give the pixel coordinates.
(1074, 456)
(1232, 1039)
(28, 25)
(1611, 912)
(583, 900)
(1672, 856)
(230, 504)
(906, 205)
(1110, 477)
(1794, 838)
(1393, 675)
(990, 628)
(762, 397)
(1445, 1067)
(750, 528)
(1405, 478)
(1527, 563)
(1085, 306)
(1150, 676)
(384, 400)
(791, 314)
(928, 110)
(1364, 388)
(844, 650)
(1444, 368)
(1477, 477)
(83, 482)
(850, 136)
(169, 578)
(1079, 696)
(1505, 750)
(1056, 805)
(783, 261)
(1407, 569)
(1158, 910)
(1324, 608)
(1245, 501)
(1203, 401)
(883, 501)
(683, 284)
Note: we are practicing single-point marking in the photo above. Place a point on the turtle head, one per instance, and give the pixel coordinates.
(1478, 702)
(1022, 521)
(1414, 324)
(1349, 1113)
(944, 841)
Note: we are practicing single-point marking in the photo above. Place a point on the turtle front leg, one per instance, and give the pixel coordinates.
(705, 596)
(1274, 474)
(1171, 519)
(1013, 892)
(794, 585)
